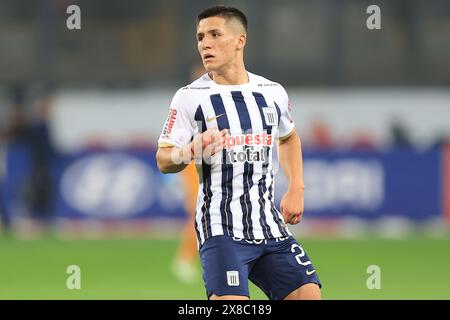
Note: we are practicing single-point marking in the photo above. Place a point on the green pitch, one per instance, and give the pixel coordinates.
(417, 268)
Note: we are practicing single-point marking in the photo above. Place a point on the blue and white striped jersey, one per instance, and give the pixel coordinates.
(236, 192)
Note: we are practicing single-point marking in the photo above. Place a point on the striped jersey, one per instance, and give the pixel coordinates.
(236, 186)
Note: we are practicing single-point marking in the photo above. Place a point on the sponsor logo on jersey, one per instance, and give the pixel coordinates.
(170, 122)
(248, 154)
(209, 119)
(249, 139)
(249, 147)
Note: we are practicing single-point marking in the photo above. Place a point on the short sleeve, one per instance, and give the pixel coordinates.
(286, 125)
(179, 126)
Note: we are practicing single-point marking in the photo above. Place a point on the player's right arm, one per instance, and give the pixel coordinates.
(177, 144)
(172, 159)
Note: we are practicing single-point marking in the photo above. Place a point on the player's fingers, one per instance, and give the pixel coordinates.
(287, 216)
(219, 140)
(290, 219)
(211, 138)
(297, 219)
(205, 139)
(293, 220)
(212, 130)
(217, 146)
(218, 136)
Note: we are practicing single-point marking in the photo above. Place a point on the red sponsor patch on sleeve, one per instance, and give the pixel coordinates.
(170, 122)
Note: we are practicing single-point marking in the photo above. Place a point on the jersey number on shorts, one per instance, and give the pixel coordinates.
(300, 255)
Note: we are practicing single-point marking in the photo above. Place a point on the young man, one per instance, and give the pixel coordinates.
(238, 116)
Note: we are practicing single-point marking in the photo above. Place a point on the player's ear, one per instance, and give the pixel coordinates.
(242, 40)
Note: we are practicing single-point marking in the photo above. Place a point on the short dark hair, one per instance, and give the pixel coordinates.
(224, 12)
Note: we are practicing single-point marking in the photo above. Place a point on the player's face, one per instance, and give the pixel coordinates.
(219, 42)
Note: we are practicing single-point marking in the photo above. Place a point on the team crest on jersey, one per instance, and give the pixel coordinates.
(233, 278)
(270, 116)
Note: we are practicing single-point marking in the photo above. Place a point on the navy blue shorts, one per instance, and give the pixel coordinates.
(277, 266)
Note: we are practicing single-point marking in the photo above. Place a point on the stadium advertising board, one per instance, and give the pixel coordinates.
(123, 184)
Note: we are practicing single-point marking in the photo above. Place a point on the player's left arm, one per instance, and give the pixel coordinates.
(290, 158)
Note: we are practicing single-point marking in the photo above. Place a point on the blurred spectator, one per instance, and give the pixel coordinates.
(400, 135)
(28, 127)
(12, 127)
(321, 137)
(4, 221)
(42, 154)
(363, 140)
(16, 127)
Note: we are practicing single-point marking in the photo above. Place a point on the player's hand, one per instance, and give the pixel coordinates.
(292, 206)
(209, 142)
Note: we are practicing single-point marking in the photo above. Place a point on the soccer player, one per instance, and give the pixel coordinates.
(229, 120)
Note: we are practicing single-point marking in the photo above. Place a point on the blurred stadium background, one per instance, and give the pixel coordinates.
(81, 111)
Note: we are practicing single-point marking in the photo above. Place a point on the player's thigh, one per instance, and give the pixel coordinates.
(309, 291)
(225, 272)
(284, 269)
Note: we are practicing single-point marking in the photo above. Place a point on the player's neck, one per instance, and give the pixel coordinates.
(232, 76)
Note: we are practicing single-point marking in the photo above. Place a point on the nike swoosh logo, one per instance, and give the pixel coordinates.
(209, 119)
(310, 272)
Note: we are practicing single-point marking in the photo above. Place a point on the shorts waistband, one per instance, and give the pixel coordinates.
(261, 241)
